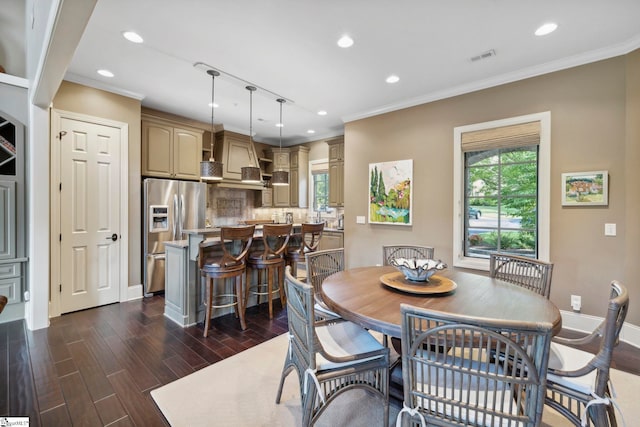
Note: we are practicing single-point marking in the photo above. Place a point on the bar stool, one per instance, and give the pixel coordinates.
(225, 259)
(275, 238)
(310, 235)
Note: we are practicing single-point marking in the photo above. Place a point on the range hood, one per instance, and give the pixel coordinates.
(235, 151)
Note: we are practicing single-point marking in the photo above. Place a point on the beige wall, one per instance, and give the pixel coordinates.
(591, 129)
(98, 103)
(632, 178)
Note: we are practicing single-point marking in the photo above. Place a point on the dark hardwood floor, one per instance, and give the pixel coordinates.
(96, 367)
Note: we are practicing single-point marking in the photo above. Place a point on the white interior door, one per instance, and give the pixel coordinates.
(89, 214)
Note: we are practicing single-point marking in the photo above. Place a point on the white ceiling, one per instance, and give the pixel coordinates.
(289, 47)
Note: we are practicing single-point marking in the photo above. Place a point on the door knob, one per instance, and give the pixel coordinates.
(113, 237)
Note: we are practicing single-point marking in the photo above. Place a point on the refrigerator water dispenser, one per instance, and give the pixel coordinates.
(159, 218)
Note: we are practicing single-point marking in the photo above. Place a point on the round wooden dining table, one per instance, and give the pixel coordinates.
(359, 295)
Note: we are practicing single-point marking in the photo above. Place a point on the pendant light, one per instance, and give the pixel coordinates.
(280, 177)
(211, 170)
(251, 174)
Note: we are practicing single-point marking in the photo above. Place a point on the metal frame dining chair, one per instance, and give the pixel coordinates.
(320, 265)
(405, 251)
(450, 379)
(528, 273)
(330, 358)
(578, 381)
(225, 259)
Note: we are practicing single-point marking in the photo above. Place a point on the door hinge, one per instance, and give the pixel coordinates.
(60, 237)
(60, 187)
(60, 287)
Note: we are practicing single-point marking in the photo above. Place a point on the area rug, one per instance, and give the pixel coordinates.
(241, 391)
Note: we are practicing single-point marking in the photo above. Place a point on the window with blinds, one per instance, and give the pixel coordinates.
(500, 189)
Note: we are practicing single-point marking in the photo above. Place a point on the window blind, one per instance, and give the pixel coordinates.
(513, 136)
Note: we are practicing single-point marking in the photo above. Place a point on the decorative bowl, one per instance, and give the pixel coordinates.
(417, 270)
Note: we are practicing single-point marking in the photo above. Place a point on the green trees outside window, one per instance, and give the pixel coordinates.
(320, 191)
(501, 196)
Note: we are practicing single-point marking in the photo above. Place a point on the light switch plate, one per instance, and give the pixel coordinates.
(360, 219)
(609, 229)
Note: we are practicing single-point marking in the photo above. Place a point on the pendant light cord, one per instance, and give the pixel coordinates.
(251, 89)
(281, 101)
(213, 106)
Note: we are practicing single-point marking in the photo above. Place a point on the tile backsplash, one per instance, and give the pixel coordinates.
(228, 206)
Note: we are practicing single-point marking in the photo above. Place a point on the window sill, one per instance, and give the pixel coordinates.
(472, 263)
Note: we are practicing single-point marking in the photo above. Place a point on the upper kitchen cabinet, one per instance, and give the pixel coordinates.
(170, 150)
(280, 156)
(299, 176)
(336, 149)
(336, 172)
(235, 151)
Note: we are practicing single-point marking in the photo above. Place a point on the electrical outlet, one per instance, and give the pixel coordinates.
(360, 219)
(576, 302)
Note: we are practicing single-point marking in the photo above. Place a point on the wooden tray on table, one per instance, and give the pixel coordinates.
(436, 284)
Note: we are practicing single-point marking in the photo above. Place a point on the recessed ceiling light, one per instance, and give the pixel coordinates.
(105, 73)
(547, 28)
(393, 79)
(322, 113)
(311, 131)
(132, 37)
(345, 41)
(214, 105)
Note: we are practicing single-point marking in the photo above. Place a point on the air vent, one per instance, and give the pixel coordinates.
(484, 55)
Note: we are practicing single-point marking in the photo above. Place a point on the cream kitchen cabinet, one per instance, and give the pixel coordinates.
(281, 194)
(299, 176)
(169, 151)
(331, 239)
(336, 172)
(264, 198)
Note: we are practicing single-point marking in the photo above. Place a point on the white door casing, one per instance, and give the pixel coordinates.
(87, 158)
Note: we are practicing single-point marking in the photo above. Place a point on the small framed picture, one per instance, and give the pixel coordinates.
(585, 188)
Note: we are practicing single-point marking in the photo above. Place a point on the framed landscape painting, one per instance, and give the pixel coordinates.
(585, 188)
(390, 192)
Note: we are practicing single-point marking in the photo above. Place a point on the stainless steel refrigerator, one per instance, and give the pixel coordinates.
(170, 206)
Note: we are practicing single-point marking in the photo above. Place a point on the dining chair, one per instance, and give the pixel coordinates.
(307, 242)
(330, 358)
(449, 379)
(225, 259)
(320, 265)
(269, 259)
(529, 273)
(390, 252)
(578, 381)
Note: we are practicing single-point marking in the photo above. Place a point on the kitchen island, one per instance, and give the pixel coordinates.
(184, 291)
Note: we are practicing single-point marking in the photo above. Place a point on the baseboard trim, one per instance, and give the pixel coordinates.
(587, 323)
(134, 292)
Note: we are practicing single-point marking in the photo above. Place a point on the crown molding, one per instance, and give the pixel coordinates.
(538, 70)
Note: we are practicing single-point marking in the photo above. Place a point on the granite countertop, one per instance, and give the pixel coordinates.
(215, 230)
(177, 243)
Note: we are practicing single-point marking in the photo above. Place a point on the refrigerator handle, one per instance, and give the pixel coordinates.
(175, 216)
(182, 214)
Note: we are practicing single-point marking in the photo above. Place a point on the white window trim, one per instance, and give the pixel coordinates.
(544, 187)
